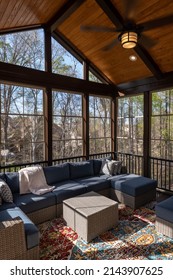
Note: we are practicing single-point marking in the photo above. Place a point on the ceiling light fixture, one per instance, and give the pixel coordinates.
(128, 39)
(132, 57)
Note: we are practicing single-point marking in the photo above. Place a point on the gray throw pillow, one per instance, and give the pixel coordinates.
(117, 167)
(5, 192)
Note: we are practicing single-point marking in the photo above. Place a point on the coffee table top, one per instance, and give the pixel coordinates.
(89, 203)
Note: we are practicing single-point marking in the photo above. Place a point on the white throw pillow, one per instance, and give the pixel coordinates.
(111, 167)
(107, 167)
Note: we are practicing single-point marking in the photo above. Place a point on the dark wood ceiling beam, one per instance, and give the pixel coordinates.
(111, 12)
(148, 84)
(15, 74)
(63, 13)
(149, 62)
(118, 21)
(20, 29)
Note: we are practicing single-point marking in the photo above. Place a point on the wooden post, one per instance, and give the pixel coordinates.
(85, 104)
(113, 125)
(147, 125)
(48, 100)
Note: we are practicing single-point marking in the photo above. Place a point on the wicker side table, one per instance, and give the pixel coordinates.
(90, 214)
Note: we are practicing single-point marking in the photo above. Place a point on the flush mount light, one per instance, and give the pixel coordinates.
(128, 39)
(133, 57)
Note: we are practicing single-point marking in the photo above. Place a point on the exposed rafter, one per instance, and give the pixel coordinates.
(117, 20)
(78, 55)
(63, 13)
(20, 29)
(149, 62)
(111, 12)
(58, 18)
(147, 84)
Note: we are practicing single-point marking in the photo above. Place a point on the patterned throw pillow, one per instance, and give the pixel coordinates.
(107, 167)
(5, 192)
(117, 167)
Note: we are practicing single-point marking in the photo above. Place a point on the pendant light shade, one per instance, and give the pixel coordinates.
(129, 39)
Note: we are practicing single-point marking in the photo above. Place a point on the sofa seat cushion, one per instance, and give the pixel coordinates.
(95, 183)
(31, 202)
(164, 209)
(133, 184)
(31, 231)
(68, 189)
(57, 173)
(7, 205)
(81, 169)
(105, 176)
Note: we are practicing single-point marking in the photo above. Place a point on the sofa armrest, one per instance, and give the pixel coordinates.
(12, 239)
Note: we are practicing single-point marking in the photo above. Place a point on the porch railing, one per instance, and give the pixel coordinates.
(133, 163)
(68, 159)
(160, 169)
(17, 167)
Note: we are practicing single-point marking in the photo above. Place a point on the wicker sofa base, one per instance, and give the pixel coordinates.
(164, 227)
(43, 215)
(133, 201)
(59, 209)
(105, 192)
(13, 243)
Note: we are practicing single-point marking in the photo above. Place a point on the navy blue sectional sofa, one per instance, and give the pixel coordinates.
(69, 179)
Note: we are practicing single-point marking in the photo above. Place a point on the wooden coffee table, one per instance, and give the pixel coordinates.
(90, 214)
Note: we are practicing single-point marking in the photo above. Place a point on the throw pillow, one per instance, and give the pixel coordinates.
(117, 167)
(5, 192)
(107, 167)
(0, 200)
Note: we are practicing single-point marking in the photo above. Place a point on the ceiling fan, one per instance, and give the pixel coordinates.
(130, 34)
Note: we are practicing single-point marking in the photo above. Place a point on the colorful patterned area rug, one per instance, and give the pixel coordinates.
(135, 238)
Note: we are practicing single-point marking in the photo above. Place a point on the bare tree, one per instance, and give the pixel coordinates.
(22, 49)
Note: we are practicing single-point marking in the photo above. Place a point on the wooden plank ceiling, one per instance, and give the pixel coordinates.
(154, 50)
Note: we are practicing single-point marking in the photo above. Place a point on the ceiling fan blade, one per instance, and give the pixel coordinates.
(146, 41)
(94, 28)
(159, 22)
(129, 8)
(111, 45)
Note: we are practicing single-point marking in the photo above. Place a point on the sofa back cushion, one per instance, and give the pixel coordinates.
(81, 169)
(12, 179)
(57, 173)
(2, 176)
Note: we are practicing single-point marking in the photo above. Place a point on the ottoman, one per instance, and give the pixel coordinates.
(90, 214)
(133, 190)
(164, 217)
